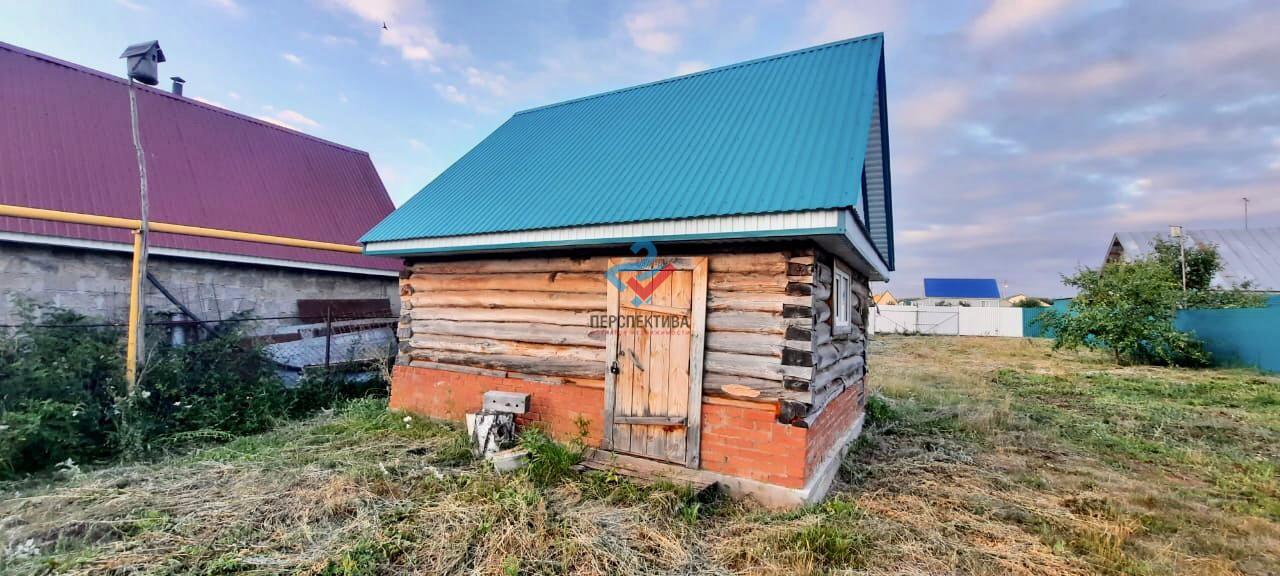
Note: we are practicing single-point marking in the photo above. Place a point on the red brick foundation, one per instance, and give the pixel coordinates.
(737, 439)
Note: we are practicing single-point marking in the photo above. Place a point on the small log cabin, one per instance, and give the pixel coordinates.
(677, 271)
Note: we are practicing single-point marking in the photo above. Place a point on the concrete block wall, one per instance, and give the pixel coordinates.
(96, 283)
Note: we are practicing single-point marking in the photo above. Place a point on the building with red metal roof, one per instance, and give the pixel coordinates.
(65, 144)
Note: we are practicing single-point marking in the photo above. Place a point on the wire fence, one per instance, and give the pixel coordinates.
(360, 346)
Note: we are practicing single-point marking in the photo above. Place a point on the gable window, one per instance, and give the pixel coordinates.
(841, 307)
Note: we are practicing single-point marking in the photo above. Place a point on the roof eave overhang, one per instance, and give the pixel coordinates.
(836, 230)
(63, 242)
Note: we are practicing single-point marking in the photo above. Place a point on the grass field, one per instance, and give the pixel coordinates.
(985, 456)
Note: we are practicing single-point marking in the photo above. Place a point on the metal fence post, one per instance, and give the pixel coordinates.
(328, 337)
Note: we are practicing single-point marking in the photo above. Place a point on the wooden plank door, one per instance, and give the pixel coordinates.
(653, 388)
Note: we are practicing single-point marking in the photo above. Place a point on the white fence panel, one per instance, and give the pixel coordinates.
(946, 320)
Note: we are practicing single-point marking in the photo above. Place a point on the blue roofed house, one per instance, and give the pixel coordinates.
(980, 292)
(677, 270)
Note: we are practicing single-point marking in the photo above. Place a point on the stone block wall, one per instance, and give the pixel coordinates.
(96, 283)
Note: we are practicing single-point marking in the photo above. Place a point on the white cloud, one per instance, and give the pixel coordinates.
(655, 27)
(984, 135)
(342, 97)
(131, 5)
(933, 107)
(208, 101)
(332, 40)
(1005, 18)
(408, 28)
(287, 118)
(1248, 104)
(1084, 81)
(1142, 114)
(832, 20)
(1136, 188)
(451, 93)
(417, 144)
(292, 58)
(229, 6)
(690, 67)
(496, 84)
(233, 95)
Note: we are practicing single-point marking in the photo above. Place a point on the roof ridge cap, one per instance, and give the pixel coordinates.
(726, 67)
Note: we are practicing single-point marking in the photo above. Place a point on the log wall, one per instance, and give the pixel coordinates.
(533, 318)
(839, 356)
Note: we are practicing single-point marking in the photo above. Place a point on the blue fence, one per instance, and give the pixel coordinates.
(1235, 337)
(1238, 337)
(1031, 328)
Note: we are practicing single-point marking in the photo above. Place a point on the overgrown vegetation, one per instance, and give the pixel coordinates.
(1129, 308)
(979, 456)
(63, 399)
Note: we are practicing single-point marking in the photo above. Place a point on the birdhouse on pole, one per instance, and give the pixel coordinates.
(144, 59)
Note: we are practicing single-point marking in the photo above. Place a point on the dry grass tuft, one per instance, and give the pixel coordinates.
(981, 456)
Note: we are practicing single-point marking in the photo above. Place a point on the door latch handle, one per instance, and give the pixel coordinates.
(614, 368)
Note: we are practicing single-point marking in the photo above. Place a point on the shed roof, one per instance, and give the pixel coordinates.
(1251, 255)
(785, 133)
(961, 288)
(65, 144)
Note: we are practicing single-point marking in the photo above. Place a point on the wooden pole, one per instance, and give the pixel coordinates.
(137, 291)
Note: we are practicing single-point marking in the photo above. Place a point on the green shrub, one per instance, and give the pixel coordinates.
(550, 461)
(57, 390)
(62, 393)
(319, 389)
(219, 385)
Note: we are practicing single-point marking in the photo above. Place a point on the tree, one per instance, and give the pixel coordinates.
(1203, 263)
(1129, 308)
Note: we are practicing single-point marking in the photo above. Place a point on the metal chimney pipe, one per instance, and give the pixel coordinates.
(177, 84)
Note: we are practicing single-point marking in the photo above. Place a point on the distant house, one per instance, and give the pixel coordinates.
(65, 144)
(960, 292)
(884, 299)
(1251, 255)
(1018, 299)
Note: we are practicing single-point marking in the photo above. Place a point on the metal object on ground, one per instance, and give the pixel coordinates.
(509, 460)
(511, 402)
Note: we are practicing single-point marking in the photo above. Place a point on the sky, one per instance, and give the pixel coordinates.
(1023, 133)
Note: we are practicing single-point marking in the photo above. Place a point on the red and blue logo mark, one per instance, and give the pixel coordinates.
(649, 278)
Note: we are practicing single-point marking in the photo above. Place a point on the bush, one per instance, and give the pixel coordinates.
(62, 392)
(221, 385)
(550, 461)
(57, 390)
(1129, 308)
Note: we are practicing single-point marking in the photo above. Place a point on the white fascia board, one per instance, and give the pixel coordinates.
(837, 230)
(192, 254)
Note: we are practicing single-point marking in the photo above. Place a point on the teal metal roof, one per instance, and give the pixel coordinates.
(778, 134)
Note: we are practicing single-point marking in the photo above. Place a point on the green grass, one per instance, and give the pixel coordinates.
(980, 456)
(1223, 430)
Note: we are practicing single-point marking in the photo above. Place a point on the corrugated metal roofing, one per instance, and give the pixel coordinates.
(65, 144)
(1251, 255)
(961, 288)
(778, 134)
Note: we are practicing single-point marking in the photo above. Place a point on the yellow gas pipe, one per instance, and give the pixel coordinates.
(135, 292)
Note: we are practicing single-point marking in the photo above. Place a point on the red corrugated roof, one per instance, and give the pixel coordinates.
(65, 144)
